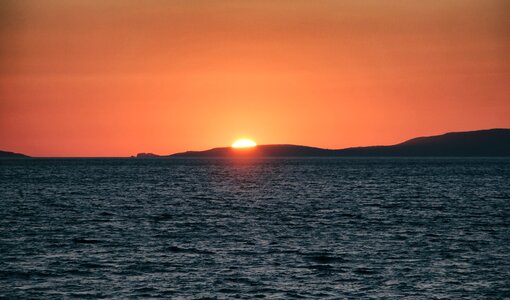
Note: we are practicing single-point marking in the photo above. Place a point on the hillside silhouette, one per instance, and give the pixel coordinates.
(7, 154)
(491, 142)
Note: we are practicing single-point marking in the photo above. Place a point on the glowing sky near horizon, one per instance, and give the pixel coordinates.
(113, 78)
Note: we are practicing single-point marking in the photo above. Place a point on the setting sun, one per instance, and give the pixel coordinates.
(244, 143)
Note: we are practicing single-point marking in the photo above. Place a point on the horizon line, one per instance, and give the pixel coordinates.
(261, 145)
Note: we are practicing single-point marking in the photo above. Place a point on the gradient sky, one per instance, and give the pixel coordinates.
(113, 78)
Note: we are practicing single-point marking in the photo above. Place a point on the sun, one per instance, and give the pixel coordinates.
(244, 143)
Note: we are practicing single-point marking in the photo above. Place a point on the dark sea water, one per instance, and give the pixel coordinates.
(277, 229)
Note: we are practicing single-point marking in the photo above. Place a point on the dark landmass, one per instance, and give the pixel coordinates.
(261, 150)
(491, 142)
(7, 154)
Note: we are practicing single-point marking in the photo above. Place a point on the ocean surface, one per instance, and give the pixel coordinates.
(380, 228)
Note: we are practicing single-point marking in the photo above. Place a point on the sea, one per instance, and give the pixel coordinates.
(325, 228)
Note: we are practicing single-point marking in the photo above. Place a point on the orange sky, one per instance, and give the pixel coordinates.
(113, 78)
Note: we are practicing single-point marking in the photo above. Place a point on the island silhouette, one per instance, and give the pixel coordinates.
(490, 142)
